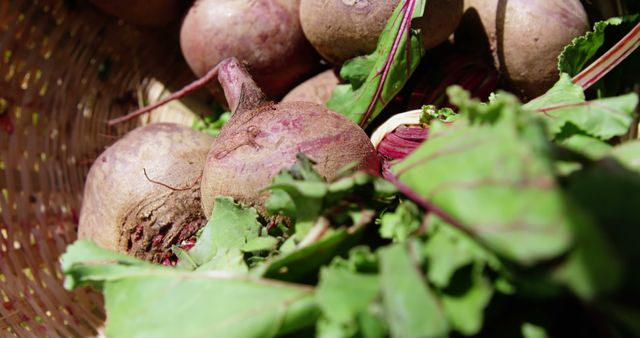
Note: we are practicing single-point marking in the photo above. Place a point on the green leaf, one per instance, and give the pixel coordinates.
(279, 202)
(226, 260)
(564, 104)
(260, 244)
(456, 265)
(342, 294)
(448, 249)
(188, 304)
(431, 113)
(411, 307)
(147, 300)
(608, 193)
(360, 259)
(581, 50)
(492, 174)
(230, 227)
(465, 300)
(563, 92)
(356, 71)
(300, 191)
(84, 262)
(389, 67)
(604, 118)
(401, 223)
(326, 328)
(586, 145)
(371, 326)
(628, 154)
(184, 260)
(329, 217)
(304, 195)
(212, 124)
(590, 49)
(348, 294)
(533, 331)
(302, 262)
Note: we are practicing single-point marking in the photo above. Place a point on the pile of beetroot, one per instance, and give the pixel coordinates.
(371, 168)
(156, 187)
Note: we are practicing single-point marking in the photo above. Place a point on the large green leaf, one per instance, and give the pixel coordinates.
(564, 105)
(493, 175)
(191, 304)
(85, 263)
(411, 307)
(465, 300)
(456, 265)
(343, 294)
(144, 300)
(628, 154)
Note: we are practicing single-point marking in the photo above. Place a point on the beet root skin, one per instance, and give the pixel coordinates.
(255, 145)
(317, 89)
(265, 35)
(524, 38)
(340, 30)
(126, 211)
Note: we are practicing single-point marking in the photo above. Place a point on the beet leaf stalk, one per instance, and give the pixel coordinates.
(238, 90)
(609, 60)
(396, 57)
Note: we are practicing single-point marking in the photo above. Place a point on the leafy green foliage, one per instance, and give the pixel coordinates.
(411, 307)
(581, 50)
(564, 104)
(589, 146)
(211, 124)
(375, 79)
(401, 223)
(313, 204)
(628, 154)
(220, 243)
(301, 189)
(516, 209)
(344, 297)
(145, 300)
(585, 50)
(431, 113)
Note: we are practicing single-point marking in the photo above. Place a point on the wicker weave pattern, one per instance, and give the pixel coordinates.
(65, 69)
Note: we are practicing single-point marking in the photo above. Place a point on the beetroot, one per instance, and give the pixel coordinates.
(142, 194)
(525, 38)
(317, 89)
(340, 30)
(402, 141)
(263, 137)
(266, 35)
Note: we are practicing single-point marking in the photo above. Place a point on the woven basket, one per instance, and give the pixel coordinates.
(65, 69)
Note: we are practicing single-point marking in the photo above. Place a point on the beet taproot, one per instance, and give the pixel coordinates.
(340, 30)
(265, 35)
(524, 37)
(317, 89)
(142, 194)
